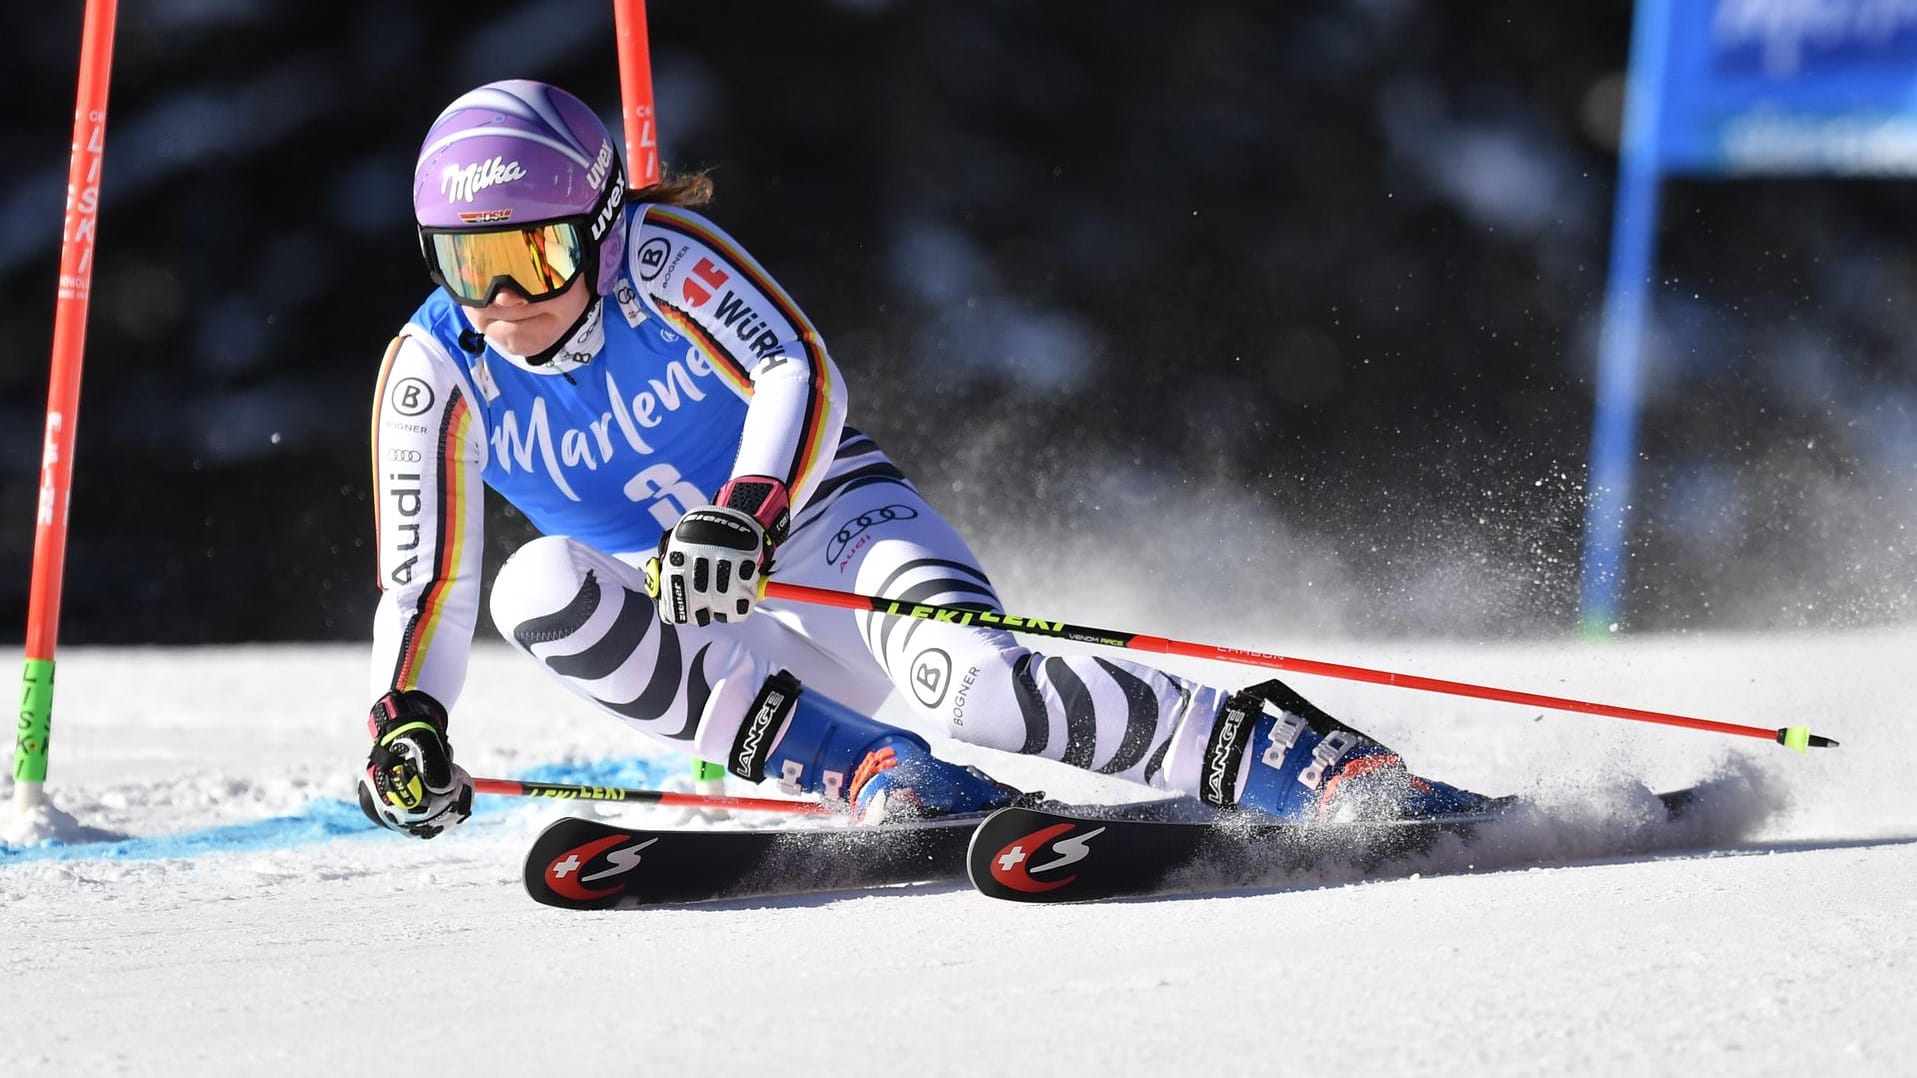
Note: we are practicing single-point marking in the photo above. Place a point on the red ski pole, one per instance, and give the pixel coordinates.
(1798, 738)
(566, 791)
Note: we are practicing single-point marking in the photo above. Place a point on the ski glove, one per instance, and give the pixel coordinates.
(710, 563)
(411, 783)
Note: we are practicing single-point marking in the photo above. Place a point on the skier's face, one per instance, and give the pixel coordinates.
(523, 328)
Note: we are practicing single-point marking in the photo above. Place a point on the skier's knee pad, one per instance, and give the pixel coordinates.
(544, 592)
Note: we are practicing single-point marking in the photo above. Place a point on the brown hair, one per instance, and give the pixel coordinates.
(678, 189)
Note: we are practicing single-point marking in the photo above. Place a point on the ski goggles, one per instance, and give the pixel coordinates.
(538, 261)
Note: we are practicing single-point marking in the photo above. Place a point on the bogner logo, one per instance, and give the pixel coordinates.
(461, 183)
(1223, 752)
(745, 761)
(931, 673)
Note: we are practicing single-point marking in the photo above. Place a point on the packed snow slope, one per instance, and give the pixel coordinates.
(246, 919)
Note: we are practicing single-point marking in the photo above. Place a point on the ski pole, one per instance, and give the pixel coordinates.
(572, 792)
(1798, 738)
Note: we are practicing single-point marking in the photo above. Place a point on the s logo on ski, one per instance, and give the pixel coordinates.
(566, 874)
(1012, 866)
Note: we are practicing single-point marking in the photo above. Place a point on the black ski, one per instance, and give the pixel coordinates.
(1036, 855)
(589, 865)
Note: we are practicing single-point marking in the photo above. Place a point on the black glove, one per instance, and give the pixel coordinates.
(710, 563)
(411, 783)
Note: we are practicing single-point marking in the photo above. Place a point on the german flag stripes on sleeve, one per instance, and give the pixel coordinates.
(428, 451)
(709, 290)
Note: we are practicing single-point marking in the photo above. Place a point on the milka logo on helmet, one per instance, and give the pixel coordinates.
(461, 183)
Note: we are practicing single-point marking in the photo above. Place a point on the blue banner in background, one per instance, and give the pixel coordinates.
(1790, 86)
(1728, 88)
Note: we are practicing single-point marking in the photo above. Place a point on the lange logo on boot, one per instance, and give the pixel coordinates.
(1013, 868)
(747, 759)
(763, 717)
(1222, 753)
(566, 875)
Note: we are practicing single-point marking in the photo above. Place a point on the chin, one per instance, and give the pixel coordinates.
(521, 343)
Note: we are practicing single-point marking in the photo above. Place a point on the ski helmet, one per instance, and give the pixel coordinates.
(522, 152)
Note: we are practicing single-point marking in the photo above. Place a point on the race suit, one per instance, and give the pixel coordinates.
(698, 369)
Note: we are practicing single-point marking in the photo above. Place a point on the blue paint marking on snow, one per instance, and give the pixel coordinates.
(323, 820)
(634, 772)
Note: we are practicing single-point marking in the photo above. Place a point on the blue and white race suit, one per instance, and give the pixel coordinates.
(701, 368)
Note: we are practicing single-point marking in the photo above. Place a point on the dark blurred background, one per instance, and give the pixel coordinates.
(1305, 291)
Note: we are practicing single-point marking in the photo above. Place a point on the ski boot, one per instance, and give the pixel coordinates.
(1272, 751)
(813, 744)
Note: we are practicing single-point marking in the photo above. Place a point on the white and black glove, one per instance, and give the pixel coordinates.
(710, 563)
(411, 783)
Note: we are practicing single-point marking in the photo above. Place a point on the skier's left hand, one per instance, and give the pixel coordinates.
(411, 783)
(710, 563)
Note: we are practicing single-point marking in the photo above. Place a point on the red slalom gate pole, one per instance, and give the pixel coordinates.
(642, 160)
(63, 404)
(635, 90)
(1798, 738)
(566, 791)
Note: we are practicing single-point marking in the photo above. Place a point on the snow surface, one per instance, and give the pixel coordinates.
(248, 919)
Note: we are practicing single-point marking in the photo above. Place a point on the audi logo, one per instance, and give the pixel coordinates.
(858, 525)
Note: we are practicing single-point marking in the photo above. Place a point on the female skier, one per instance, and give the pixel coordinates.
(638, 386)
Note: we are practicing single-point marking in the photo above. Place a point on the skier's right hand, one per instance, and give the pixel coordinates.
(411, 783)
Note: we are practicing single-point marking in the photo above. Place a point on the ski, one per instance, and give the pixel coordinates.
(585, 864)
(1036, 855)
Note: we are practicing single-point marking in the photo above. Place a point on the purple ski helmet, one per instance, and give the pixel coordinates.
(522, 151)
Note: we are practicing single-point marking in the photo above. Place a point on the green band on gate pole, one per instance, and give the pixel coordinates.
(36, 722)
(707, 771)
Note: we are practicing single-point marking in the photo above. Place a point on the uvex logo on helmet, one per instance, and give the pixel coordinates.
(607, 213)
(461, 183)
(596, 175)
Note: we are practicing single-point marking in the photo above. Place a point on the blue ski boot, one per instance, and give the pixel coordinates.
(1272, 751)
(814, 744)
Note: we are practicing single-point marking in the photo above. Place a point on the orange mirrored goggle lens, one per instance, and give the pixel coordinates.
(539, 261)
